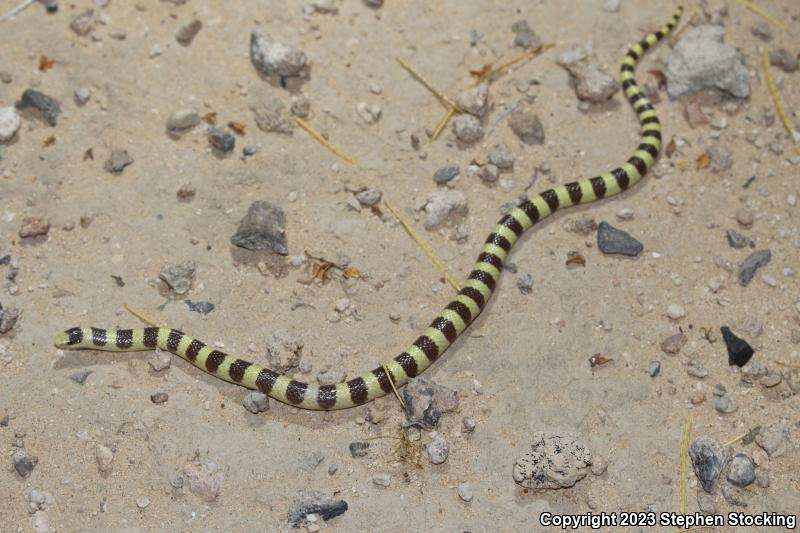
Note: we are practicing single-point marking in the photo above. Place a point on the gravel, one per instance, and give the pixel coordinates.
(382, 479)
(34, 227)
(725, 405)
(313, 503)
(673, 344)
(370, 197)
(444, 206)
(187, 32)
(774, 439)
(117, 161)
(592, 83)
(754, 261)
(465, 492)
(48, 107)
(204, 480)
(10, 123)
(615, 241)
(501, 156)
(262, 229)
(159, 360)
(741, 471)
(554, 461)
(525, 283)
(783, 59)
(358, 449)
(676, 312)
(737, 240)
(273, 117)
(445, 174)
(739, 351)
(256, 402)
(438, 450)
(527, 126)
(182, 120)
(655, 369)
(467, 128)
(8, 318)
(275, 59)
(426, 401)
(179, 277)
(707, 459)
(474, 101)
(221, 139)
(524, 36)
(159, 398)
(23, 464)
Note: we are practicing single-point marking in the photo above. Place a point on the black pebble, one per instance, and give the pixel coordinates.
(24, 466)
(49, 107)
(200, 307)
(739, 352)
(358, 449)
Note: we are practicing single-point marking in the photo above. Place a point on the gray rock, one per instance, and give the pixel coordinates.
(358, 449)
(707, 503)
(263, 228)
(8, 318)
(255, 402)
(201, 307)
(272, 116)
(10, 123)
(489, 173)
(774, 439)
(369, 197)
(611, 6)
(179, 277)
(734, 496)
(159, 360)
(104, 457)
(525, 283)
(583, 225)
(700, 61)
(571, 56)
(81, 377)
(467, 128)
(655, 369)
(725, 405)
(249, 151)
(159, 398)
(737, 240)
(745, 217)
(696, 369)
(23, 464)
(750, 265)
(611, 240)
(444, 206)
(182, 120)
(382, 479)
(554, 461)
(524, 36)
(117, 162)
(501, 156)
(707, 459)
(426, 401)
(309, 502)
(674, 343)
(721, 157)
(204, 479)
(527, 126)
(445, 174)
(762, 30)
(591, 83)
(187, 32)
(438, 450)
(465, 492)
(475, 100)
(83, 23)
(272, 58)
(784, 60)
(741, 471)
(284, 353)
(47, 106)
(221, 139)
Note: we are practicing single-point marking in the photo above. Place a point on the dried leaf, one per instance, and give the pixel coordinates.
(50, 141)
(352, 273)
(670, 148)
(45, 63)
(237, 127)
(660, 77)
(88, 154)
(598, 359)
(575, 258)
(210, 117)
(703, 161)
(481, 72)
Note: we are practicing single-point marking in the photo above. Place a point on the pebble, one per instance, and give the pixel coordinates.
(527, 126)
(438, 450)
(733, 496)
(655, 369)
(204, 480)
(117, 161)
(706, 503)
(774, 439)
(525, 283)
(467, 128)
(370, 114)
(273, 117)
(700, 61)
(444, 206)
(83, 23)
(262, 228)
(674, 343)
(725, 405)
(592, 83)
(696, 368)
(772, 379)
(39, 501)
(47, 106)
(489, 173)
(284, 353)
(8, 318)
(272, 58)
(737, 240)
(426, 401)
(382, 480)
(369, 197)
(23, 464)
(707, 459)
(358, 449)
(739, 351)
(332, 469)
(179, 277)
(201, 307)
(474, 101)
(249, 151)
(81, 377)
(611, 240)
(159, 360)
(611, 6)
(721, 156)
(142, 502)
(524, 36)
(741, 471)
(783, 59)
(465, 492)
(697, 398)
(221, 139)
(256, 402)
(625, 213)
(754, 261)
(300, 107)
(182, 120)
(159, 398)
(467, 425)
(761, 30)
(501, 156)
(82, 95)
(445, 174)
(10, 123)
(307, 503)
(41, 522)
(676, 312)
(554, 461)
(187, 32)
(745, 217)
(34, 227)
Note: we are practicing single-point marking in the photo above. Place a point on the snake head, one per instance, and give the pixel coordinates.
(70, 338)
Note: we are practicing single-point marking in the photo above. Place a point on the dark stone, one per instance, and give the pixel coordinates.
(425, 402)
(445, 174)
(306, 503)
(739, 352)
(707, 459)
(47, 106)
(80, 377)
(737, 240)
(611, 240)
(222, 140)
(117, 162)
(263, 228)
(358, 448)
(200, 307)
(23, 464)
(753, 262)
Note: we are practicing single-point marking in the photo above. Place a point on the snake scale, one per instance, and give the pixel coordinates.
(449, 324)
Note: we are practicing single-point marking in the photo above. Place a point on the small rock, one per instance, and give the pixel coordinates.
(525, 283)
(332, 469)
(81, 377)
(725, 405)
(444, 206)
(284, 353)
(221, 139)
(256, 402)
(591, 83)
(186, 193)
(41, 522)
(762, 30)
(249, 151)
(468, 425)
(201, 307)
(9, 123)
(48, 107)
(784, 60)
(706, 503)
(187, 32)
(300, 107)
(554, 461)
(272, 58)
(774, 439)
(467, 128)
(182, 120)
(142, 502)
(772, 379)
(438, 450)
(721, 158)
(696, 368)
(501, 156)
(465, 492)
(739, 351)
(524, 36)
(611, 6)
(655, 369)
(734, 495)
(313, 503)
(370, 197)
(489, 173)
(263, 228)
(159, 360)
(445, 174)
(82, 95)
(39, 501)
(745, 217)
(205, 480)
(83, 23)
(737, 240)
(272, 116)
(676, 312)
(382, 480)
(707, 459)
(625, 213)
(23, 464)
(527, 126)
(426, 401)
(674, 343)
(179, 277)
(697, 398)
(358, 449)
(611, 240)
(741, 471)
(700, 60)
(117, 162)
(8, 318)
(34, 227)
(750, 265)
(474, 101)
(584, 225)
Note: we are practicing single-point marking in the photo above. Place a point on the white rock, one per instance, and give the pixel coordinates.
(105, 458)
(465, 492)
(9, 123)
(676, 312)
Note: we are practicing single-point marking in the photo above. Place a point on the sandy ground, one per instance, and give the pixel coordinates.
(522, 367)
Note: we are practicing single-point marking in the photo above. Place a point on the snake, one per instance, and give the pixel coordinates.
(449, 323)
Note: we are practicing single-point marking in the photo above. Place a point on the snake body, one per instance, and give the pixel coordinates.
(453, 319)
